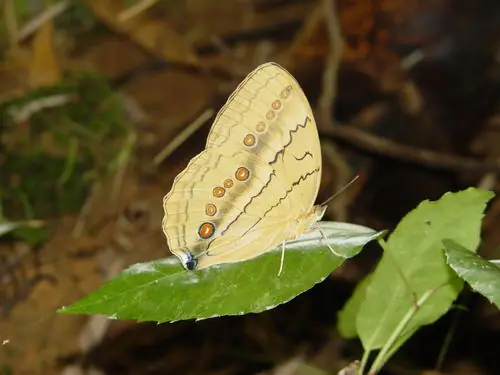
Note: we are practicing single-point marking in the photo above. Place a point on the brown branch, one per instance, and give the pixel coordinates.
(381, 146)
(336, 43)
(135, 9)
(206, 115)
(325, 106)
(48, 14)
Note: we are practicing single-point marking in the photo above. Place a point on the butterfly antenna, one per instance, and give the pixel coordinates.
(342, 189)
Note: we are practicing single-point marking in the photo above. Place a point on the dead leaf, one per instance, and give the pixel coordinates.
(44, 69)
(155, 35)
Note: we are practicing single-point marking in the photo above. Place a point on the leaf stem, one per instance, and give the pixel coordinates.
(382, 355)
(364, 360)
(447, 340)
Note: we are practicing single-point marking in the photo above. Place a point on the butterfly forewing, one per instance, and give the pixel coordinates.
(258, 176)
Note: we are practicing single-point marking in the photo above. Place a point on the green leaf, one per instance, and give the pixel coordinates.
(346, 318)
(30, 231)
(413, 264)
(163, 291)
(8, 227)
(31, 235)
(482, 275)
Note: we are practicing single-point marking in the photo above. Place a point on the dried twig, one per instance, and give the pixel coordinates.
(133, 110)
(351, 369)
(135, 9)
(85, 211)
(489, 182)
(123, 161)
(412, 59)
(185, 134)
(385, 147)
(29, 109)
(336, 43)
(96, 326)
(155, 35)
(343, 174)
(325, 105)
(48, 14)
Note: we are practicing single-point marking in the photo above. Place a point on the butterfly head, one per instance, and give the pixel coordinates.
(191, 264)
(188, 260)
(307, 221)
(319, 211)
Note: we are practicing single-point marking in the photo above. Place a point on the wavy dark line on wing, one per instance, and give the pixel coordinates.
(307, 153)
(280, 200)
(271, 175)
(290, 132)
(292, 187)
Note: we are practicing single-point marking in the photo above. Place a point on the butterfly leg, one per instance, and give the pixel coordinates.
(331, 249)
(282, 258)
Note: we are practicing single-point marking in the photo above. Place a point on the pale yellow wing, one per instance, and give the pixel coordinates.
(256, 180)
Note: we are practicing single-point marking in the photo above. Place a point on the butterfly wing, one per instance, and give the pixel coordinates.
(259, 174)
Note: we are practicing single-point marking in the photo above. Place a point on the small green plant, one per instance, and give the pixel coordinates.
(57, 142)
(415, 283)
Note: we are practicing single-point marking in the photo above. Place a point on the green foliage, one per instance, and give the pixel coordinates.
(33, 236)
(412, 285)
(413, 264)
(482, 275)
(77, 20)
(163, 291)
(347, 316)
(6, 370)
(51, 158)
(21, 10)
(30, 232)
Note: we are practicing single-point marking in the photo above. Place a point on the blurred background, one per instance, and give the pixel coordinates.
(103, 102)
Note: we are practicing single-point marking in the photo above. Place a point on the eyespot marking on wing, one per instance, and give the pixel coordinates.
(268, 91)
(285, 93)
(276, 105)
(210, 209)
(270, 115)
(242, 174)
(219, 191)
(261, 127)
(249, 140)
(206, 230)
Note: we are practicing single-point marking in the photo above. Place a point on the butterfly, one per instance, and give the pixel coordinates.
(255, 184)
